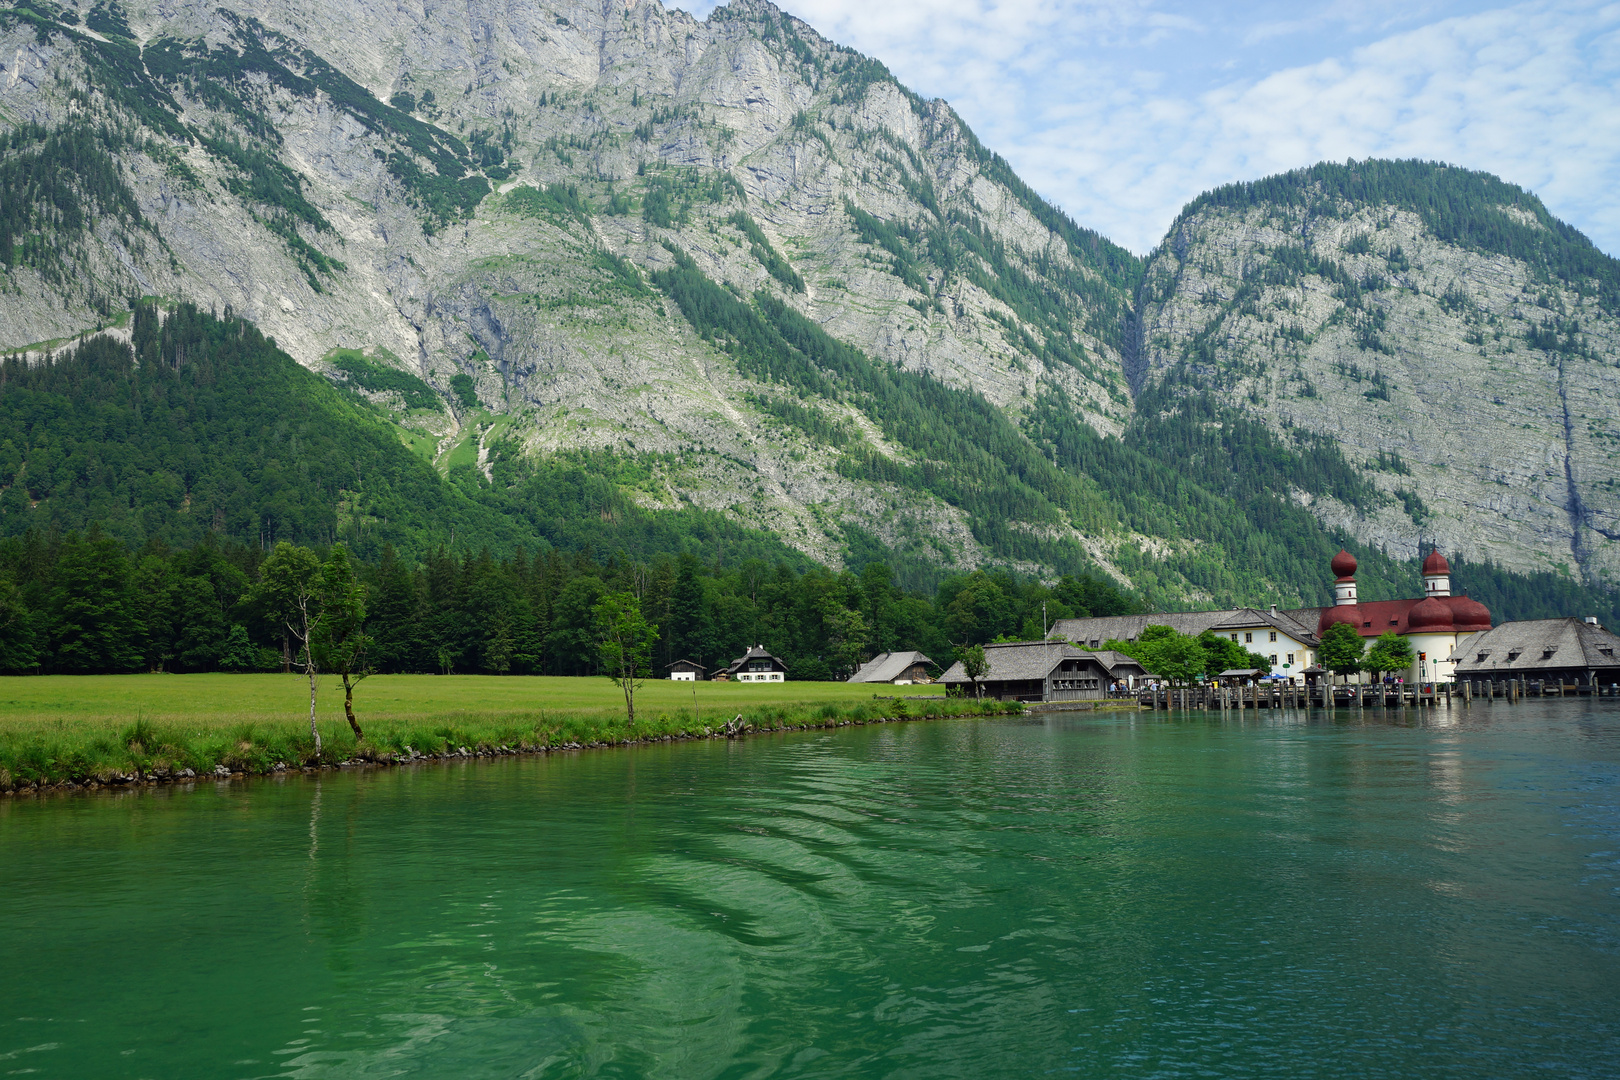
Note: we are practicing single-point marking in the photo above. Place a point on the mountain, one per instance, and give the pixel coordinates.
(1459, 344)
(739, 272)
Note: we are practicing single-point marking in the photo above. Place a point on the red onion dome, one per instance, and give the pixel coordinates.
(1435, 564)
(1432, 614)
(1344, 564)
(1468, 615)
(1347, 613)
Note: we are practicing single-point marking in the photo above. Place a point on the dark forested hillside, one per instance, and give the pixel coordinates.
(200, 425)
(82, 603)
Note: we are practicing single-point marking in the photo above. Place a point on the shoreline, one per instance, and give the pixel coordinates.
(371, 757)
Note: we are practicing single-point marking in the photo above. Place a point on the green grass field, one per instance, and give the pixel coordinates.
(58, 728)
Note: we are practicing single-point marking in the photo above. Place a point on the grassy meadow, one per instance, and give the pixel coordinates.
(62, 728)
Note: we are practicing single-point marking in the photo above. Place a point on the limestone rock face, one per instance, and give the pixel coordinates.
(577, 114)
(1477, 390)
(482, 193)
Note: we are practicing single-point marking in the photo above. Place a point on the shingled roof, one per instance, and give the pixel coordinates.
(1018, 661)
(1537, 645)
(1129, 627)
(886, 667)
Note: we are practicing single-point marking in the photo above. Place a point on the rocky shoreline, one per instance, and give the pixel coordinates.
(734, 729)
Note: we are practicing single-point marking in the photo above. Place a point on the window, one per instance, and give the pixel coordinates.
(1605, 652)
(1095, 643)
(1273, 659)
(1290, 658)
(1367, 624)
(1234, 637)
(1480, 659)
(1274, 637)
(1546, 654)
(1248, 639)
(1512, 656)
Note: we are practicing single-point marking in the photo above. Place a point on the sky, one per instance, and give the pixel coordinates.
(1121, 111)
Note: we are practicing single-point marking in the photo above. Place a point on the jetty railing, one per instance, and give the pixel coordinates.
(1364, 695)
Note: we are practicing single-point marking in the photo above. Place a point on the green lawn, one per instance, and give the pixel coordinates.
(65, 727)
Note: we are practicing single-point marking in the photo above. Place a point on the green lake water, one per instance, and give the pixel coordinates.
(1306, 895)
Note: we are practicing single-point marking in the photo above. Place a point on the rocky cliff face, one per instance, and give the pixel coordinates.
(1461, 349)
(487, 195)
(272, 174)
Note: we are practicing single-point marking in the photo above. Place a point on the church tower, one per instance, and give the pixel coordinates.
(1344, 587)
(1436, 575)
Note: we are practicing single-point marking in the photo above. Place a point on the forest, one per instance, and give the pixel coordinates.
(84, 603)
(200, 430)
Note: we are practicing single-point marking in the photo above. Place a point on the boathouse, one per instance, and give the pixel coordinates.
(895, 668)
(1036, 671)
(1564, 651)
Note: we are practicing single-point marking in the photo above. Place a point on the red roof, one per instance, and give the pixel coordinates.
(1374, 617)
(1468, 614)
(1432, 614)
(1435, 564)
(1343, 565)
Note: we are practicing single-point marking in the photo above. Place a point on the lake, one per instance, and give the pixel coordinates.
(1429, 894)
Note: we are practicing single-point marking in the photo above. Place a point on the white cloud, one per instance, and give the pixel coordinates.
(1122, 110)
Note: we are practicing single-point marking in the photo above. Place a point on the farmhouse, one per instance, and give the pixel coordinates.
(895, 668)
(685, 671)
(756, 666)
(1563, 651)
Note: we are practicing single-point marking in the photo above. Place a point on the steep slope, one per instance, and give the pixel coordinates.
(182, 426)
(764, 284)
(251, 162)
(1459, 344)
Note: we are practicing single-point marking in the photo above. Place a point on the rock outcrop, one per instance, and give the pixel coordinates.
(482, 195)
(1463, 351)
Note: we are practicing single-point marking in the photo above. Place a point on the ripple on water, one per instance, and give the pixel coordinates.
(1297, 896)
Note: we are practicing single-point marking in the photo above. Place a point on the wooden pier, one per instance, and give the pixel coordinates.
(1365, 696)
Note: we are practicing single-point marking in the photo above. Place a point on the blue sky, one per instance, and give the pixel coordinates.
(1120, 111)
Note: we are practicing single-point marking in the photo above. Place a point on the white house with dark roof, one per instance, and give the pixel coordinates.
(1289, 644)
(685, 671)
(755, 666)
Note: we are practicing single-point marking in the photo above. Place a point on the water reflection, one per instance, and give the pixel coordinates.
(1305, 892)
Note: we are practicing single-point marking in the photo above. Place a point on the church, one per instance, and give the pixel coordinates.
(1434, 623)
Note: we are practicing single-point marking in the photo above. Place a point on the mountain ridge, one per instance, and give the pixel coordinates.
(803, 182)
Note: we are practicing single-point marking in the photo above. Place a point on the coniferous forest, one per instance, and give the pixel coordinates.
(84, 603)
(145, 483)
(148, 482)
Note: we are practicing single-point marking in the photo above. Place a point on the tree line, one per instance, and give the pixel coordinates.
(86, 603)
